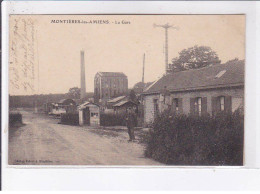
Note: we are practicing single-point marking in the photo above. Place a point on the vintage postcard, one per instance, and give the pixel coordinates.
(135, 90)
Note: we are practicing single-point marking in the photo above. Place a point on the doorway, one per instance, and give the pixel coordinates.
(86, 116)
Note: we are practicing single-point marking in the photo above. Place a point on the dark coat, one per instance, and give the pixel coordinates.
(131, 120)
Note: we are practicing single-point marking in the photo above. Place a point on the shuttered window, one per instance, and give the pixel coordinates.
(198, 106)
(176, 105)
(228, 104)
(156, 106)
(204, 106)
(192, 106)
(221, 103)
(180, 108)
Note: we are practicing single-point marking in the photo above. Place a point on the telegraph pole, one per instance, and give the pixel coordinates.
(166, 27)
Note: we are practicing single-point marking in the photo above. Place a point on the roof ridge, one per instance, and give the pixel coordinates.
(105, 73)
(153, 84)
(198, 69)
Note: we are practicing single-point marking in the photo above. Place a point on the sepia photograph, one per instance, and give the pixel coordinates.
(126, 90)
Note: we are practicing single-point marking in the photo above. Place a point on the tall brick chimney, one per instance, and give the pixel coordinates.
(82, 77)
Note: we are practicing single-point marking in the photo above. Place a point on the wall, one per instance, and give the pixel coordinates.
(236, 93)
(149, 107)
(109, 87)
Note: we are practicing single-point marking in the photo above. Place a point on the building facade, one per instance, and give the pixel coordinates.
(109, 85)
(199, 92)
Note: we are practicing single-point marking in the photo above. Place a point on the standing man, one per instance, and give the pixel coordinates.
(130, 123)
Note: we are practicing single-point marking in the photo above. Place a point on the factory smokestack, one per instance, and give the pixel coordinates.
(82, 77)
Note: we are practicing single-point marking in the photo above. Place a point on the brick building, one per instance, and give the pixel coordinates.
(200, 91)
(108, 85)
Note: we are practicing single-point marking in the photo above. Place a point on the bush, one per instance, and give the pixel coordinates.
(191, 140)
(15, 118)
(70, 118)
(112, 119)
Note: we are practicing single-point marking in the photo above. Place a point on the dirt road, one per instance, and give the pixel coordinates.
(42, 141)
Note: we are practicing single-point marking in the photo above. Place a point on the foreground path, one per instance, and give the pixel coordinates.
(42, 141)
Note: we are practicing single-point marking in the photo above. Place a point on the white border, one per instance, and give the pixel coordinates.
(188, 178)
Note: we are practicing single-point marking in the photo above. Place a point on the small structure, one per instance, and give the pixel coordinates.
(56, 109)
(122, 106)
(89, 114)
(61, 107)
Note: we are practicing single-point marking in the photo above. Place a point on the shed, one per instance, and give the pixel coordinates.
(114, 101)
(62, 106)
(56, 109)
(122, 106)
(89, 114)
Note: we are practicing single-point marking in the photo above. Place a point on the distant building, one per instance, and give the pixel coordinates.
(58, 108)
(109, 85)
(202, 91)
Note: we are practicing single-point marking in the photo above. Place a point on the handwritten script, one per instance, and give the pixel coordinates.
(22, 55)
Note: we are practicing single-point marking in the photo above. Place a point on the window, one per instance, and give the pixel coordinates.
(237, 104)
(156, 107)
(222, 103)
(198, 105)
(176, 103)
(114, 83)
(220, 73)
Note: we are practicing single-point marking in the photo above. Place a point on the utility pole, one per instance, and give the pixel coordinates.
(166, 27)
(143, 68)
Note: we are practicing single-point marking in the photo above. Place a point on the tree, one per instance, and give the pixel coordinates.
(194, 58)
(132, 96)
(140, 87)
(74, 93)
(236, 61)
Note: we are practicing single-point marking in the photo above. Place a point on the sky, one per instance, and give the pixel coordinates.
(116, 44)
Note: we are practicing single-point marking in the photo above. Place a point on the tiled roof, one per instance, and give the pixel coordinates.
(123, 103)
(86, 104)
(224, 75)
(112, 74)
(116, 99)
